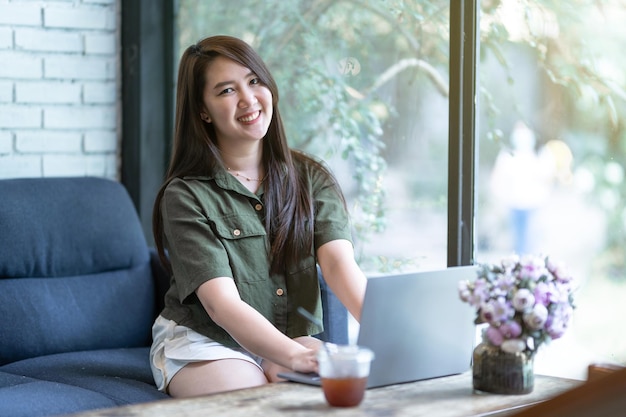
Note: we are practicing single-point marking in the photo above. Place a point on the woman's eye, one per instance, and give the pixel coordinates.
(226, 91)
(255, 81)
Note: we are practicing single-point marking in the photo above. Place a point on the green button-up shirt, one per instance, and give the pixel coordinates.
(214, 227)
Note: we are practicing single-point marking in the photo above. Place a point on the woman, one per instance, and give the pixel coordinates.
(245, 220)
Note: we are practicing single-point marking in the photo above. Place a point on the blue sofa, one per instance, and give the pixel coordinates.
(79, 290)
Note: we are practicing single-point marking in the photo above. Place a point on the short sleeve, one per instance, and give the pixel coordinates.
(332, 220)
(196, 254)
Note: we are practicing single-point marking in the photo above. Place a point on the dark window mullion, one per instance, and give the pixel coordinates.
(462, 127)
(147, 49)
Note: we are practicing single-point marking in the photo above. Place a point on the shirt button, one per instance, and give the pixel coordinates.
(280, 292)
(258, 207)
(236, 232)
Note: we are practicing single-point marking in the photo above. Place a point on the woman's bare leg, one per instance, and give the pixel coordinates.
(201, 378)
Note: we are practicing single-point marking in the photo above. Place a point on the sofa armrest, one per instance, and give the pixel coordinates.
(161, 280)
(335, 315)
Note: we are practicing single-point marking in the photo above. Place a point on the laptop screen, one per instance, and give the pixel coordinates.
(417, 326)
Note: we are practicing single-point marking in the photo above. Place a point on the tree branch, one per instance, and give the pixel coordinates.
(395, 69)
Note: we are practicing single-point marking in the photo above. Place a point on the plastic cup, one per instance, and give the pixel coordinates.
(344, 370)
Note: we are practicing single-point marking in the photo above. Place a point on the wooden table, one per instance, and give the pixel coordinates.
(448, 396)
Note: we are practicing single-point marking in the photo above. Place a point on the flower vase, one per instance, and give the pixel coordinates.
(500, 372)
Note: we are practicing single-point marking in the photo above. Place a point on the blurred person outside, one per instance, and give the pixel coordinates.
(521, 181)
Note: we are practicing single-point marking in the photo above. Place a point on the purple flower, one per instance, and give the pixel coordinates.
(533, 268)
(558, 322)
(480, 292)
(559, 271)
(542, 293)
(486, 313)
(494, 336)
(511, 329)
(505, 283)
(496, 311)
(534, 273)
(556, 327)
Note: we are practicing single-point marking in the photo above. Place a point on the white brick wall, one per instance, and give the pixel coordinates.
(59, 95)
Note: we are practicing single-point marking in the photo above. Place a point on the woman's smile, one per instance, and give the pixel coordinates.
(250, 117)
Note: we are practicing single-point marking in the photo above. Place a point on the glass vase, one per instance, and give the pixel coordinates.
(500, 372)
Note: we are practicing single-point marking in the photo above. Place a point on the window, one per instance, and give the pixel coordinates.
(364, 85)
(552, 158)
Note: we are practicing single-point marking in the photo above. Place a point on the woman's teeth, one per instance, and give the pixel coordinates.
(250, 117)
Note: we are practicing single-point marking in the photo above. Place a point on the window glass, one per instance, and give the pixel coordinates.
(364, 86)
(552, 159)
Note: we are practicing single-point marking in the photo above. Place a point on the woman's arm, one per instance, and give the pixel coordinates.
(250, 329)
(342, 274)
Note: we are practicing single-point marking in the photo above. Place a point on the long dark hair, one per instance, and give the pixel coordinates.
(288, 205)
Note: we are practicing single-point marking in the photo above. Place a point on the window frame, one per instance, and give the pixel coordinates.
(147, 48)
(462, 127)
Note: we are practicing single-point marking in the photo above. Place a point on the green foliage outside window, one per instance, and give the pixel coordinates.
(401, 47)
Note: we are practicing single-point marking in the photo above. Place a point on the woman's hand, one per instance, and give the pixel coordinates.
(306, 360)
(303, 360)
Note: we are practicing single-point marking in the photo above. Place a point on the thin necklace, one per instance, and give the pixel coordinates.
(237, 174)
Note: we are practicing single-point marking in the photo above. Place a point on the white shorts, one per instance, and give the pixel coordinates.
(175, 346)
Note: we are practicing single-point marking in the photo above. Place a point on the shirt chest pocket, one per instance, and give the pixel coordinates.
(245, 241)
(237, 227)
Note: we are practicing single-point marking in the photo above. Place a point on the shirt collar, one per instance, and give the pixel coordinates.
(226, 181)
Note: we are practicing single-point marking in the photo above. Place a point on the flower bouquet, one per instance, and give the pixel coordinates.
(525, 303)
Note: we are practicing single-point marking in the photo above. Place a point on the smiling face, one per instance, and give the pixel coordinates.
(236, 102)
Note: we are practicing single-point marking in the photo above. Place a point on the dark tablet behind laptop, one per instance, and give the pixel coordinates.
(416, 325)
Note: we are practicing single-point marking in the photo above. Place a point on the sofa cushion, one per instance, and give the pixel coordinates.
(56, 227)
(75, 268)
(76, 381)
(28, 397)
(44, 316)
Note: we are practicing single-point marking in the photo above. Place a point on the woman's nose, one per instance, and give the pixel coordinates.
(247, 98)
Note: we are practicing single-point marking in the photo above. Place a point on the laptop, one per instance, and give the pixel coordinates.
(416, 325)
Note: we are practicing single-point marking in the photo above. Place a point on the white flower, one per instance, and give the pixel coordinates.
(510, 261)
(536, 318)
(487, 312)
(464, 291)
(513, 345)
(523, 300)
(559, 271)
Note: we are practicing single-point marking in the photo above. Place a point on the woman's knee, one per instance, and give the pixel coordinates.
(209, 377)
